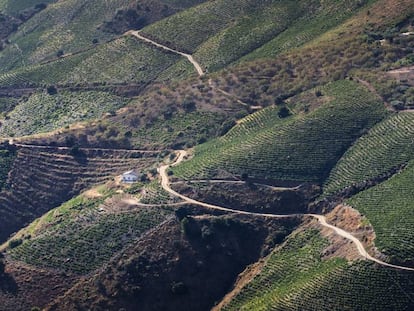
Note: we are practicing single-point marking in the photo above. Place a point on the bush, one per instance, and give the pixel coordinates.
(15, 243)
(189, 106)
(51, 90)
(178, 288)
(190, 228)
(283, 112)
(181, 214)
(75, 151)
(207, 233)
(397, 104)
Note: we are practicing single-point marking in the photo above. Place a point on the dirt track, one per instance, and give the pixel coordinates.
(165, 183)
(190, 58)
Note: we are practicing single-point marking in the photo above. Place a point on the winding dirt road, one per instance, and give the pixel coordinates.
(190, 58)
(165, 183)
(196, 65)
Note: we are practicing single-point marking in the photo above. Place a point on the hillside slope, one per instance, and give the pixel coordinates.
(301, 147)
(272, 143)
(43, 178)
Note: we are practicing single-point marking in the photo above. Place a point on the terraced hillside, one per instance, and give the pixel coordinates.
(86, 236)
(138, 14)
(63, 27)
(124, 60)
(354, 45)
(296, 276)
(163, 117)
(301, 147)
(143, 277)
(220, 32)
(84, 44)
(387, 145)
(7, 157)
(275, 155)
(70, 242)
(389, 208)
(57, 110)
(41, 179)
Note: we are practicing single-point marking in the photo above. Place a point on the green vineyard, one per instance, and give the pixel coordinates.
(126, 60)
(296, 277)
(389, 208)
(44, 179)
(82, 241)
(58, 110)
(301, 147)
(388, 145)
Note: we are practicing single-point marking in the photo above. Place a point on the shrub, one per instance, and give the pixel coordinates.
(51, 90)
(15, 243)
(189, 106)
(40, 6)
(75, 151)
(283, 112)
(178, 288)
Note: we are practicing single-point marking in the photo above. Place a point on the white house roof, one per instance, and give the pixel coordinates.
(131, 172)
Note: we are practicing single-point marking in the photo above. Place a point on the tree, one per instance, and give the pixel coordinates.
(15, 243)
(178, 288)
(75, 151)
(51, 90)
(189, 105)
(283, 112)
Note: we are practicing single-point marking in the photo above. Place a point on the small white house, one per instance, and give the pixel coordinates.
(130, 177)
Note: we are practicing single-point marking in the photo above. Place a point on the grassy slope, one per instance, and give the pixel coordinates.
(389, 207)
(295, 277)
(56, 111)
(302, 147)
(384, 147)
